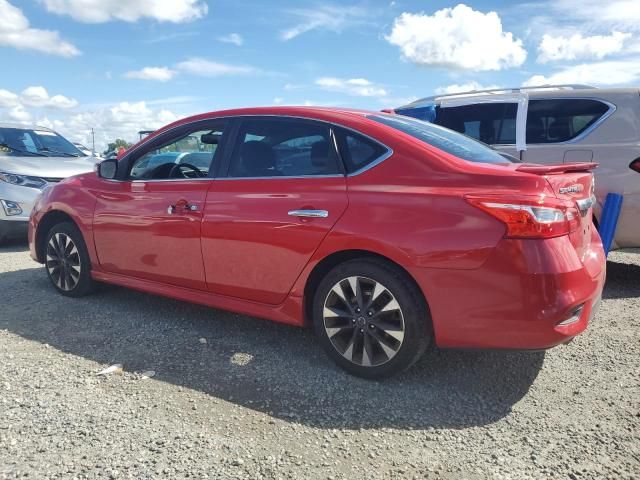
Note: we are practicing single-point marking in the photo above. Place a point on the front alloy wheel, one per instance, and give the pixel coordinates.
(66, 260)
(63, 262)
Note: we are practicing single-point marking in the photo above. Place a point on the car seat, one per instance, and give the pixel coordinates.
(258, 160)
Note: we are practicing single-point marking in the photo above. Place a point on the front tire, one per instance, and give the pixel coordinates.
(371, 318)
(67, 261)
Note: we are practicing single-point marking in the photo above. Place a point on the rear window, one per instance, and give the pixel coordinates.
(446, 140)
(560, 120)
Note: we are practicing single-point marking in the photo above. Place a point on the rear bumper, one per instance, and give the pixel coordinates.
(518, 298)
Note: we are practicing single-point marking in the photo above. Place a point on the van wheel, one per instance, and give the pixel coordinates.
(67, 261)
(371, 318)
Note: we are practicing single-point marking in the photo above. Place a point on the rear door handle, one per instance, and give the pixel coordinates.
(309, 213)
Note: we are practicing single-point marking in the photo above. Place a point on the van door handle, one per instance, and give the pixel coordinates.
(309, 213)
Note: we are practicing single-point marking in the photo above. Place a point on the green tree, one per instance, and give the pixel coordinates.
(116, 145)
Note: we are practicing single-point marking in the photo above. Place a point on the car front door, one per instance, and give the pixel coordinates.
(283, 192)
(147, 224)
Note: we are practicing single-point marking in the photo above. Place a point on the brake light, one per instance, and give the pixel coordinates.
(530, 217)
(635, 165)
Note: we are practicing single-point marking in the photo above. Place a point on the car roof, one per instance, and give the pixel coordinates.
(546, 91)
(328, 114)
(22, 126)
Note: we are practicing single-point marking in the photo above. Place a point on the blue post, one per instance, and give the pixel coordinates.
(609, 219)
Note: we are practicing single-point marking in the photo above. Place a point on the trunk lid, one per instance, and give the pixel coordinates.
(571, 182)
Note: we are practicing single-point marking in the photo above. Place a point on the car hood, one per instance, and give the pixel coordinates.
(49, 167)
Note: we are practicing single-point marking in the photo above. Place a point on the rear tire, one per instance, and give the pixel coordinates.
(67, 261)
(371, 318)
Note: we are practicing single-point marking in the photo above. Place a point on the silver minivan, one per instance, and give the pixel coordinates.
(30, 159)
(556, 124)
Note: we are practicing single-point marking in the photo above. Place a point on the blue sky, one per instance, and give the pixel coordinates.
(121, 66)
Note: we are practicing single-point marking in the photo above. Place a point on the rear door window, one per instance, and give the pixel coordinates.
(492, 123)
(560, 120)
(358, 151)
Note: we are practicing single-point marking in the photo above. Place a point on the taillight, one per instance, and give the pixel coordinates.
(635, 165)
(530, 217)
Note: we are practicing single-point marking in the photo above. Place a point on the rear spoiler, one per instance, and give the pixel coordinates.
(558, 168)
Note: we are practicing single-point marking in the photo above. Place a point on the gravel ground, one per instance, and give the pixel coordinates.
(236, 397)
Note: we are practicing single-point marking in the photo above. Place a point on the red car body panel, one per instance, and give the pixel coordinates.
(240, 250)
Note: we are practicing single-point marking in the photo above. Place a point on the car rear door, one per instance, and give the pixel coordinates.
(283, 192)
(147, 225)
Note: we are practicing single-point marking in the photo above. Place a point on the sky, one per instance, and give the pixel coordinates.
(120, 66)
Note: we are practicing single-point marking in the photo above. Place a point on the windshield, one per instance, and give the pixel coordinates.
(33, 142)
(446, 140)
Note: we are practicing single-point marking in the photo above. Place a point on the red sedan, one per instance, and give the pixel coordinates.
(385, 233)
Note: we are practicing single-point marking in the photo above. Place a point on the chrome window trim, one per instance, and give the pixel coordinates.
(282, 177)
(379, 160)
(168, 180)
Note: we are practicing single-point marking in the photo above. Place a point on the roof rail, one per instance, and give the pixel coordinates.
(498, 91)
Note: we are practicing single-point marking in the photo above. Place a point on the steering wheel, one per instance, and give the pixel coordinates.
(177, 168)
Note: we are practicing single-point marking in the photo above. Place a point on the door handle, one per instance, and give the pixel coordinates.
(309, 213)
(171, 209)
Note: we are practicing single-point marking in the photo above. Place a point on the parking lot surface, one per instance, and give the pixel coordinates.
(237, 397)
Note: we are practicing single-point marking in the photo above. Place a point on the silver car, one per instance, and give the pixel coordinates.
(556, 124)
(30, 159)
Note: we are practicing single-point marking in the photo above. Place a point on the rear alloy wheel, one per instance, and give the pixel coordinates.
(371, 319)
(363, 321)
(67, 261)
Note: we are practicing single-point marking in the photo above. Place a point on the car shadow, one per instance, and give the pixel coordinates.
(623, 280)
(271, 368)
(14, 246)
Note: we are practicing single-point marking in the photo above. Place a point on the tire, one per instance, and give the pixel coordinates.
(384, 340)
(70, 276)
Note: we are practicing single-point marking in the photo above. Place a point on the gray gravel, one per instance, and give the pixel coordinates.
(236, 397)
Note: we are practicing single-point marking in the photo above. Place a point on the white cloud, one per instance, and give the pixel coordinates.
(459, 37)
(278, 100)
(360, 87)
(617, 13)
(8, 99)
(208, 68)
(334, 18)
(234, 38)
(19, 114)
(575, 47)
(16, 32)
(121, 120)
(100, 11)
(463, 87)
(614, 72)
(38, 96)
(158, 74)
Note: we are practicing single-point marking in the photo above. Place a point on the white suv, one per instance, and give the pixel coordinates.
(556, 124)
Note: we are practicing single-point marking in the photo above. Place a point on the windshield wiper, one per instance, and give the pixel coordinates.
(46, 149)
(18, 150)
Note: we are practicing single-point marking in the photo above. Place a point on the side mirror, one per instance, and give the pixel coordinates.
(108, 168)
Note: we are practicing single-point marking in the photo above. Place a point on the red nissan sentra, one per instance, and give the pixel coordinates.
(385, 233)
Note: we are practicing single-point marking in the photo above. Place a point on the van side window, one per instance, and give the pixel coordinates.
(492, 123)
(560, 120)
